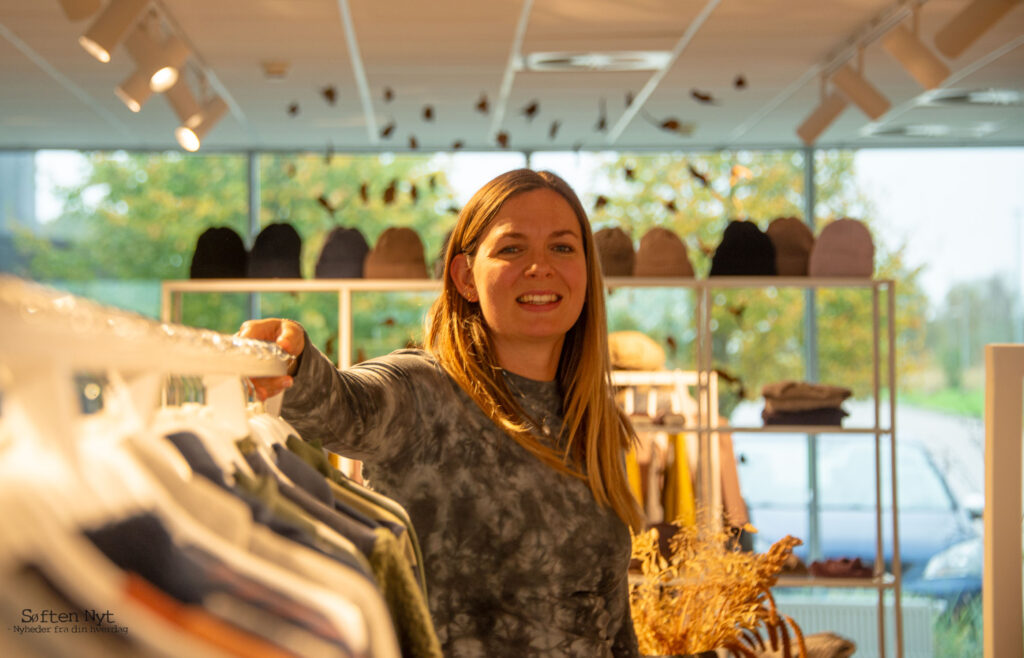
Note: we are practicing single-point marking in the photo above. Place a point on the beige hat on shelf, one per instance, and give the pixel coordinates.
(662, 253)
(793, 242)
(398, 254)
(843, 248)
(634, 350)
(615, 249)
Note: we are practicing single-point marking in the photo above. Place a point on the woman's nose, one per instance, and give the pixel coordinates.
(539, 265)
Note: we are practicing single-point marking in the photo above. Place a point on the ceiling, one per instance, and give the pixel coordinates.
(451, 54)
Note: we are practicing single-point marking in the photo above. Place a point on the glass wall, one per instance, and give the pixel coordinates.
(946, 224)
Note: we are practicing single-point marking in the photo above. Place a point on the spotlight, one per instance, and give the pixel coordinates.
(972, 21)
(76, 10)
(821, 118)
(135, 90)
(860, 92)
(163, 69)
(182, 101)
(110, 27)
(916, 58)
(191, 133)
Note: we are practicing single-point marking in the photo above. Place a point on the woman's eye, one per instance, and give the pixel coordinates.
(564, 248)
(509, 249)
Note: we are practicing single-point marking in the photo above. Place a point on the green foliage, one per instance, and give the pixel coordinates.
(958, 632)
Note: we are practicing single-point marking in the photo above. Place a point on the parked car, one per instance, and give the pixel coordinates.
(775, 483)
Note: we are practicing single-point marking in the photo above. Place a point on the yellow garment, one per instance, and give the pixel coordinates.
(633, 476)
(677, 496)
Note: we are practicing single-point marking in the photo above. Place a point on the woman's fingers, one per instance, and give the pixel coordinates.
(268, 387)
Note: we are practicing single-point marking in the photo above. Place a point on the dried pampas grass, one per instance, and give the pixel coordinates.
(707, 595)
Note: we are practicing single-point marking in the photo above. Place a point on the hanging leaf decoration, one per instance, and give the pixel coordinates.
(702, 96)
(701, 178)
(502, 139)
(630, 173)
(388, 95)
(428, 112)
(671, 206)
(602, 117)
(386, 131)
(600, 202)
(740, 82)
(553, 130)
(432, 182)
(326, 204)
(457, 144)
(330, 94)
(364, 193)
(389, 193)
(530, 110)
(414, 194)
(329, 153)
(293, 110)
(482, 106)
(413, 143)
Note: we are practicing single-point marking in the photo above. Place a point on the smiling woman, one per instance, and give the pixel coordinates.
(502, 439)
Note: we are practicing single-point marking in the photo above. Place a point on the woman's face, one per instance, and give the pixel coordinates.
(529, 274)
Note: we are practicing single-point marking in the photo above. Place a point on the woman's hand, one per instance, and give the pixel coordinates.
(287, 335)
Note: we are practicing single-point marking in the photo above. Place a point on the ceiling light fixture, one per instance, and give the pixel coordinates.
(967, 26)
(164, 68)
(860, 92)
(190, 134)
(135, 90)
(110, 27)
(821, 118)
(919, 61)
(77, 10)
(182, 101)
(637, 60)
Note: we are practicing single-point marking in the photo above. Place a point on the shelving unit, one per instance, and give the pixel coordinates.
(708, 427)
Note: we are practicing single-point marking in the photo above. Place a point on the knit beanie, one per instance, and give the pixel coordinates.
(662, 253)
(615, 250)
(398, 254)
(276, 252)
(633, 350)
(342, 255)
(843, 248)
(219, 254)
(793, 242)
(743, 251)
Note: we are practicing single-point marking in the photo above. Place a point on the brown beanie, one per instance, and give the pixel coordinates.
(662, 253)
(398, 254)
(615, 250)
(793, 242)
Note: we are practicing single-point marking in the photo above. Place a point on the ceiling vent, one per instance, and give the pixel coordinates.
(640, 60)
(971, 98)
(931, 131)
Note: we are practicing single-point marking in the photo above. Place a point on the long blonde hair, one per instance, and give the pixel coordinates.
(598, 432)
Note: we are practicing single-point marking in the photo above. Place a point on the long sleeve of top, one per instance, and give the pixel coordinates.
(520, 559)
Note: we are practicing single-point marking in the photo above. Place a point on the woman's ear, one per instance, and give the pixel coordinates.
(462, 277)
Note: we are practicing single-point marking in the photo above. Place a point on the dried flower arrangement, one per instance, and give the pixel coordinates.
(707, 594)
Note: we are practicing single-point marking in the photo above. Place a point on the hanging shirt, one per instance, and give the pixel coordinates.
(520, 559)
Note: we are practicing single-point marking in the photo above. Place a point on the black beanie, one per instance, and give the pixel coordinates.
(744, 251)
(220, 254)
(275, 254)
(342, 255)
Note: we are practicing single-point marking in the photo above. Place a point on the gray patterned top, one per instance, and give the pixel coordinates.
(520, 559)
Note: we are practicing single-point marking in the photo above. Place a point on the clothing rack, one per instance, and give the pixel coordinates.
(47, 326)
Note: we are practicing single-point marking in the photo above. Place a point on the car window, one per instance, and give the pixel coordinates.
(773, 473)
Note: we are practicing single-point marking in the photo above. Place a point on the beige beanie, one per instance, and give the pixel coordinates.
(398, 254)
(662, 253)
(633, 350)
(844, 248)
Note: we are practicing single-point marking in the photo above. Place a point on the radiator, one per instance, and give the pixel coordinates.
(857, 620)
